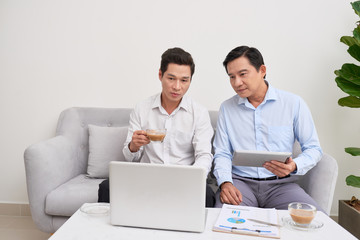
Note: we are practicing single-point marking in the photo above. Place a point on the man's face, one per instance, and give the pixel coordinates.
(244, 78)
(175, 82)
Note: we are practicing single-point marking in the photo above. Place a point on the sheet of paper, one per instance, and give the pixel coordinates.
(234, 219)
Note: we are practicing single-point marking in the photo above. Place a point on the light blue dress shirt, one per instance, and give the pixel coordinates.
(273, 126)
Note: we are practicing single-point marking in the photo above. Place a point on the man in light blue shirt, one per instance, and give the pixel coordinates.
(261, 117)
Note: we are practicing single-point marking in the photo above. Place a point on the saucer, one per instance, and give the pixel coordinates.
(314, 225)
(95, 209)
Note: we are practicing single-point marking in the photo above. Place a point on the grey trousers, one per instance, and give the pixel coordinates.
(269, 194)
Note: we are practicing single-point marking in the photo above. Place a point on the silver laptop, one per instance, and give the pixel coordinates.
(157, 196)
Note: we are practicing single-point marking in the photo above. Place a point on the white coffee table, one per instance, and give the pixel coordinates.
(82, 226)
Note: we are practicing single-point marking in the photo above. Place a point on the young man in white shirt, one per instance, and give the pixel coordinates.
(187, 123)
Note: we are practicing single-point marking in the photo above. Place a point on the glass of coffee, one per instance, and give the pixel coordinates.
(156, 135)
(302, 213)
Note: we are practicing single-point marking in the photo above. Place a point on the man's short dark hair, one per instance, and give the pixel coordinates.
(252, 54)
(178, 56)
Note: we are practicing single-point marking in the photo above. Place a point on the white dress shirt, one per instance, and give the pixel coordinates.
(188, 135)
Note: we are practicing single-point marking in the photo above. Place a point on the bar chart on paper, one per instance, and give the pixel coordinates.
(234, 219)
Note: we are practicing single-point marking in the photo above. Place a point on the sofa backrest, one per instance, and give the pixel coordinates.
(213, 118)
(73, 124)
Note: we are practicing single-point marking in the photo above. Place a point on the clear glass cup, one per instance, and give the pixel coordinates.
(302, 213)
(156, 135)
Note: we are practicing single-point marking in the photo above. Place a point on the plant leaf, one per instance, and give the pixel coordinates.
(353, 181)
(356, 33)
(337, 73)
(356, 7)
(348, 87)
(349, 101)
(350, 72)
(348, 40)
(353, 151)
(354, 51)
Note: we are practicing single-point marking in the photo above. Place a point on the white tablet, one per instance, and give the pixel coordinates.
(257, 158)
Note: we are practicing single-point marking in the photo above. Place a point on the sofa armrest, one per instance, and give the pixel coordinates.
(320, 182)
(48, 164)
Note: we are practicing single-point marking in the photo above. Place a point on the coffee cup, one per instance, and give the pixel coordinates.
(302, 213)
(156, 135)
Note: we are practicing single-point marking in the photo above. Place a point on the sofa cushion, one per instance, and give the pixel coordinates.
(66, 199)
(105, 145)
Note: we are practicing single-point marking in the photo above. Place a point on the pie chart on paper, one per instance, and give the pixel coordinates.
(236, 220)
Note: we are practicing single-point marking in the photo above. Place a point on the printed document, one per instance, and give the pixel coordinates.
(235, 219)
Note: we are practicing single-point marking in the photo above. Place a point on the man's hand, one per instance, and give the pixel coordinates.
(281, 169)
(230, 194)
(139, 138)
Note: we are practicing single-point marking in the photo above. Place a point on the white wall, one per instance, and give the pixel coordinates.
(59, 54)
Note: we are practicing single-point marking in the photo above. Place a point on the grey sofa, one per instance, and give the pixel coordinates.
(56, 168)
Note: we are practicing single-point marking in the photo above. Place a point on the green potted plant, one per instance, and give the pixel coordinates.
(348, 80)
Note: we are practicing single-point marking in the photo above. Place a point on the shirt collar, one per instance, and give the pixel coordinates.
(184, 104)
(270, 95)
(157, 101)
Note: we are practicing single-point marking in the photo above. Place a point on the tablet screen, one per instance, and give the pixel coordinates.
(257, 158)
